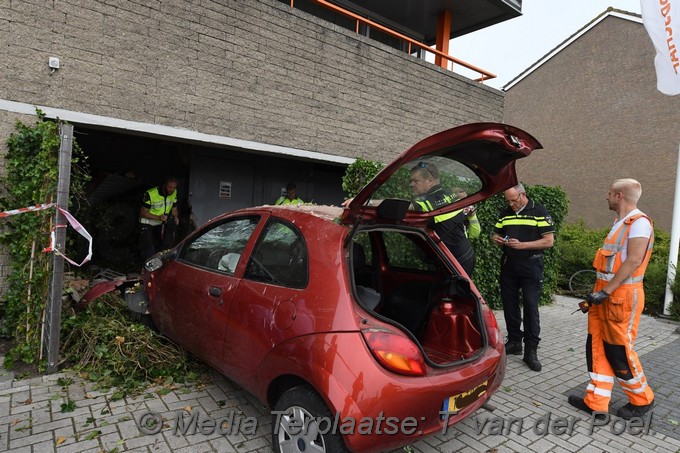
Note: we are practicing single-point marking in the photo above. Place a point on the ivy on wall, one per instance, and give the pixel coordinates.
(487, 266)
(32, 176)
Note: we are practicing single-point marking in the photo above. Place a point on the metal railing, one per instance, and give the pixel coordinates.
(411, 43)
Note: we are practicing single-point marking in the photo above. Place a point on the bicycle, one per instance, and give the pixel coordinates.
(582, 282)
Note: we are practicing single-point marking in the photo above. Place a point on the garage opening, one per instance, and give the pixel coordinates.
(211, 180)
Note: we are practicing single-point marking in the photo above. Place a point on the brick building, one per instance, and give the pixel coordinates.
(593, 104)
(234, 97)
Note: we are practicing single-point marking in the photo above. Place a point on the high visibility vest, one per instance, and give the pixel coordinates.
(608, 260)
(446, 199)
(160, 205)
(286, 200)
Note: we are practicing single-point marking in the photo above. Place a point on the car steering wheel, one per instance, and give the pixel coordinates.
(265, 271)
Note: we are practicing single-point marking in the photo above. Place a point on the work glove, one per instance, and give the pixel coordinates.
(598, 297)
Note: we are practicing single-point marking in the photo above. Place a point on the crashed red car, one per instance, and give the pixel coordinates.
(356, 324)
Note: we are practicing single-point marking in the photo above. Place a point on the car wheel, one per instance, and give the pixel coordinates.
(303, 423)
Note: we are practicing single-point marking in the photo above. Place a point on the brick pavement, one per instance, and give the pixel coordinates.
(31, 419)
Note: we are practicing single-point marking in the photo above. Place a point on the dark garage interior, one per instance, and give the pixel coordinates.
(123, 166)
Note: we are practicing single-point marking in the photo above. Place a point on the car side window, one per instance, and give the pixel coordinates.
(402, 252)
(220, 247)
(280, 256)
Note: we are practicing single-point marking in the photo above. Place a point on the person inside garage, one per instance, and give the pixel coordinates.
(158, 217)
(290, 197)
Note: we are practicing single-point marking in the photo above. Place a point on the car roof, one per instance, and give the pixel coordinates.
(325, 212)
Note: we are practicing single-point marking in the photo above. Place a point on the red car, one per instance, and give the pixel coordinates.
(356, 325)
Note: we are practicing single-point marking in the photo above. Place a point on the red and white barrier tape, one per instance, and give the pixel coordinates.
(38, 207)
(53, 238)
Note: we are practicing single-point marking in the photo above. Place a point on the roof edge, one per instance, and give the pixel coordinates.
(169, 131)
(614, 12)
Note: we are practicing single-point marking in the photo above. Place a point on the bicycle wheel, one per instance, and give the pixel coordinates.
(582, 282)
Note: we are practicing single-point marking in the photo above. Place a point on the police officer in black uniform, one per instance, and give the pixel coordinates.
(450, 227)
(524, 229)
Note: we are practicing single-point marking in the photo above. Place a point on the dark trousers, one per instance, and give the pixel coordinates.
(468, 263)
(525, 275)
(149, 240)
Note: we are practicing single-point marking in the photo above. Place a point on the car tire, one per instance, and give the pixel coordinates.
(306, 407)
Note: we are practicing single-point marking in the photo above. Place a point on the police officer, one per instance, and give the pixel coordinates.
(290, 197)
(450, 227)
(157, 203)
(524, 229)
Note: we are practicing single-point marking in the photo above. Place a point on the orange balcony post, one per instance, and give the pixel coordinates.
(443, 34)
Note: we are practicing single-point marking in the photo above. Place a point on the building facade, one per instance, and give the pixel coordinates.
(234, 98)
(593, 104)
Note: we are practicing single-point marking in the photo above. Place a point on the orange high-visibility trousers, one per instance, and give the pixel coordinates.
(612, 329)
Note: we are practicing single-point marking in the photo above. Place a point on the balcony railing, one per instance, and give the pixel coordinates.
(410, 44)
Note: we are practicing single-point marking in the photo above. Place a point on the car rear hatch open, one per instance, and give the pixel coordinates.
(400, 274)
(477, 158)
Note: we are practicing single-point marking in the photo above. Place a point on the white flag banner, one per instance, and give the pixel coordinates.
(662, 21)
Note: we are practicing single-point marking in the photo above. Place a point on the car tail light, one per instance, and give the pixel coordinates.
(395, 352)
(491, 326)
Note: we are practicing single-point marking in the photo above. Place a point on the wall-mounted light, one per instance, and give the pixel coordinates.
(53, 63)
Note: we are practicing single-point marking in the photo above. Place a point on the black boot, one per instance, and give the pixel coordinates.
(530, 357)
(513, 348)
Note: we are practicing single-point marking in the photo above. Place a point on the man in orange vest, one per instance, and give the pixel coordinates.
(616, 304)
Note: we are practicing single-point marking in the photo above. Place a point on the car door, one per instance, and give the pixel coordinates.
(197, 289)
(265, 305)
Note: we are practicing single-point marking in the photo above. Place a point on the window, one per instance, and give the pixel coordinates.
(279, 257)
(220, 247)
(406, 252)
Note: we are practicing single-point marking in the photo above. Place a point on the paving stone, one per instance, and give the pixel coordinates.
(44, 447)
(524, 394)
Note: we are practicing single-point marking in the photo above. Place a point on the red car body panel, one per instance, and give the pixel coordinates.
(342, 369)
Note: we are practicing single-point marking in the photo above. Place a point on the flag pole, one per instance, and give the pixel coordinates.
(675, 243)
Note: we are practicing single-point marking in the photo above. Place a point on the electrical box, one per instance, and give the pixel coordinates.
(53, 62)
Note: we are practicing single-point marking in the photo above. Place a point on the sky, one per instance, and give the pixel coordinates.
(508, 48)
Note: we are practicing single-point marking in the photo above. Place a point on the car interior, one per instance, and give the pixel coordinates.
(401, 278)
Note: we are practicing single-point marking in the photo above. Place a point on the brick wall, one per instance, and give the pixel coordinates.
(253, 70)
(595, 108)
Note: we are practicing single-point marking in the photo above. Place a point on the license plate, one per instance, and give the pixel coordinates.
(454, 404)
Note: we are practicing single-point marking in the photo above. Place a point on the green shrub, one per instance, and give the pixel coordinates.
(578, 245)
(31, 179)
